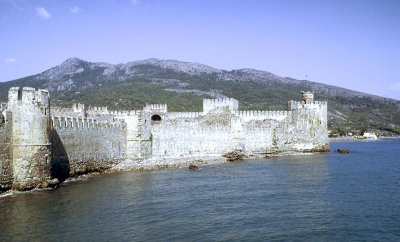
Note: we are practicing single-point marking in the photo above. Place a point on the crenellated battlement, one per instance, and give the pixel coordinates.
(84, 123)
(80, 138)
(77, 110)
(29, 101)
(3, 107)
(307, 97)
(98, 110)
(323, 103)
(190, 131)
(124, 113)
(28, 96)
(5, 117)
(263, 114)
(292, 105)
(78, 107)
(183, 115)
(58, 111)
(156, 108)
(221, 103)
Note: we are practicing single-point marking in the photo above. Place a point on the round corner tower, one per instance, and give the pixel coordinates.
(307, 97)
(30, 137)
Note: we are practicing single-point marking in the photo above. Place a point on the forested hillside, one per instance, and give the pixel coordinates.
(183, 85)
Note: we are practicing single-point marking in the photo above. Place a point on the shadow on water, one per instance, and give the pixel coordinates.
(60, 167)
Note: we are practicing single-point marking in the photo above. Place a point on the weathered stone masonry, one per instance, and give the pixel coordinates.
(6, 177)
(38, 144)
(27, 135)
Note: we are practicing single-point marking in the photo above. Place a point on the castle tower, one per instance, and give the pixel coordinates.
(307, 97)
(31, 157)
(79, 109)
(220, 105)
(152, 114)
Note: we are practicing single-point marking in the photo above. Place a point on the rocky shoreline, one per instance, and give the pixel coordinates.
(354, 139)
(348, 139)
(151, 164)
(155, 164)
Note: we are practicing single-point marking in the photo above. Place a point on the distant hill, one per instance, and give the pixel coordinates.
(182, 85)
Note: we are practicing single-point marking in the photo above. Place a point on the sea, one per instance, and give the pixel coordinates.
(318, 197)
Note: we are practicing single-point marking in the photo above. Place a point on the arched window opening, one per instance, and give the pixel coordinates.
(156, 118)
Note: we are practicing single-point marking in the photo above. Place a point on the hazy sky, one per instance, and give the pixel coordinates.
(352, 44)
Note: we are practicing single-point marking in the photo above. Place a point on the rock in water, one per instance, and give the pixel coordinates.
(193, 167)
(234, 155)
(343, 151)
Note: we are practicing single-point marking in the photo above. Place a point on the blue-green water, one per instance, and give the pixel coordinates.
(307, 197)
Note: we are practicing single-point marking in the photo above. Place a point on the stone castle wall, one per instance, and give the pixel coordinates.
(77, 110)
(6, 176)
(80, 145)
(31, 154)
(38, 144)
(253, 132)
(221, 103)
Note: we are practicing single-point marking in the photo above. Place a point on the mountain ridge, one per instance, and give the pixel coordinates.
(181, 66)
(174, 81)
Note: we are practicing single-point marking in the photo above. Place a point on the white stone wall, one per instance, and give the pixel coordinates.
(6, 177)
(31, 153)
(81, 145)
(36, 146)
(221, 103)
(77, 111)
(222, 130)
(137, 136)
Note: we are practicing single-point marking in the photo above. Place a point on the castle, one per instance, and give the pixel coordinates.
(40, 145)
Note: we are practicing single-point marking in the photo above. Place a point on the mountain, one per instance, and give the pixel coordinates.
(182, 85)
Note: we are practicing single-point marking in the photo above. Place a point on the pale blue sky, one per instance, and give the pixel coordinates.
(352, 44)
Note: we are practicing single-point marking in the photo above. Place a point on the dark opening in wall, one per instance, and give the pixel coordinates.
(156, 117)
(19, 94)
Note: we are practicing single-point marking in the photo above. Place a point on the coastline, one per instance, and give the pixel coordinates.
(349, 139)
(151, 164)
(155, 164)
(353, 139)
